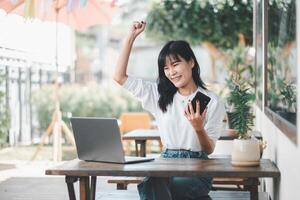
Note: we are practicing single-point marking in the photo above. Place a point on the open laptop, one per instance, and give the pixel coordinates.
(99, 139)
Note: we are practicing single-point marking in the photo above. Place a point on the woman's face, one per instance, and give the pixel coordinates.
(179, 71)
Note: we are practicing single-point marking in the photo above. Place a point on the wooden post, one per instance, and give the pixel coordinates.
(251, 184)
(84, 188)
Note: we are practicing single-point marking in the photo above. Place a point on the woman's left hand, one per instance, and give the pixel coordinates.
(195, 118)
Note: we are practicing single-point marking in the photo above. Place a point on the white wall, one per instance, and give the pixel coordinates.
(280, 149)
(285, 154)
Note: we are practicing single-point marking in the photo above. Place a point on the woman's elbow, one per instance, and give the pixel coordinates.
(120, 79)
(211, 149)
(116, 79)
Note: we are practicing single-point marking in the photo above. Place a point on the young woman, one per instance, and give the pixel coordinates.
(185, 132)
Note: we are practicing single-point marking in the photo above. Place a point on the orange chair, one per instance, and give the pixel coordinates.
(134, 120)
(131, 121)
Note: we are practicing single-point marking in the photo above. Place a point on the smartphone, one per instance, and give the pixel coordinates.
(203, 99)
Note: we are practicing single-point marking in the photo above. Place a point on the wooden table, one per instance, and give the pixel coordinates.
(140, 136)
(87, 172)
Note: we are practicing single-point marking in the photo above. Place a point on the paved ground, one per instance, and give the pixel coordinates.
(21, 180)
(24, 180)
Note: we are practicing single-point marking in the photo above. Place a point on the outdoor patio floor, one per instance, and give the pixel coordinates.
(44, 188)
(26, 181)
(21, 180)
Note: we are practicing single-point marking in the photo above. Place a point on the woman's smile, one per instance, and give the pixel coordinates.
(176, 78)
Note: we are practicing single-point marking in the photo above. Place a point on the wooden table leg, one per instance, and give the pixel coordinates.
(142, 151)
(84, 188)
(254, 192)
(70, 180)
(136, 148)
(252, 186)
(93, 187)
(143, 148)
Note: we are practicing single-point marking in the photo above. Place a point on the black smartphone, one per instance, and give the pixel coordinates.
(203, 99)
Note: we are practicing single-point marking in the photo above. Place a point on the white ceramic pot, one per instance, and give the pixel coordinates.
(245, 152)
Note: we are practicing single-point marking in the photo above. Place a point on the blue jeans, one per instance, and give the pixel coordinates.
(176, 188)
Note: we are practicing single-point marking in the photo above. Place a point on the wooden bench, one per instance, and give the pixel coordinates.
(123, 182)
(219, 183)
(213, 195)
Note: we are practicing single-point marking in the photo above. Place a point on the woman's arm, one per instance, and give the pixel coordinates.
(197, 120)
(206, 143)
(120, 75)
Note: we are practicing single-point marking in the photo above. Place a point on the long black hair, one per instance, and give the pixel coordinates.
(166, 88)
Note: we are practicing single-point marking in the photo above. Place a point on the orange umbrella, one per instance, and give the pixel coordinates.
(77, 14)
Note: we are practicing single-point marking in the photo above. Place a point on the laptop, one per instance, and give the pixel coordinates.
(99, 139)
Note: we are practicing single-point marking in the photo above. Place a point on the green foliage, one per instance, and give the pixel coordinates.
(240, 68)
(218, 22)
(241, 84)
(283, 15)
(89, 101)
(288, 95)
(281, 92)
(4, 118)
(273, 93)
(240, 64)
(241, 98)
(281, 89)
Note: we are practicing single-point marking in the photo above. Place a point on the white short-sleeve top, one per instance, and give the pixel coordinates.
(176, 131)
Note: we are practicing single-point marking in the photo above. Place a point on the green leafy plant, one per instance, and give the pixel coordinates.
(273, 93)
(239, 63)
(281, 90)
(281, 42)
(218, 22)
(90, 101)
(239, 67)
(288, 96)
(276, 10)
(241, 98)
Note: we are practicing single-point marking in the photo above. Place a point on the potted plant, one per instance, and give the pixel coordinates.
(239, 67)
(288, 98)
(246, 149)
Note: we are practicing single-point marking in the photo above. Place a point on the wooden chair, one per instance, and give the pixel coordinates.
(131, 121)
(134, 120)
